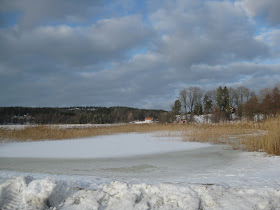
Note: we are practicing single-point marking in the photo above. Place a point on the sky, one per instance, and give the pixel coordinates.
(133, 53)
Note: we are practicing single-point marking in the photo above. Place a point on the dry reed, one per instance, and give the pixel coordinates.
(251, 136)
(268, 141)
(221, 133)
(38, 133)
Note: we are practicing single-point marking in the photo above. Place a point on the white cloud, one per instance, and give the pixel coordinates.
(268, 9)
(34, 12)
(216, 32)
(272, 38)
(108, 39)
(186, 42)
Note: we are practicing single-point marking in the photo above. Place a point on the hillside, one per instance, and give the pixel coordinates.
(74, 115)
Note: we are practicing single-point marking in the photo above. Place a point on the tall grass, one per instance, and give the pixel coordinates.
(38, 133)
(268, 142)
(213, 133)
(251, 136)
(221, 133)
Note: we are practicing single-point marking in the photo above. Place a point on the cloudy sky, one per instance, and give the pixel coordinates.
(133, 53)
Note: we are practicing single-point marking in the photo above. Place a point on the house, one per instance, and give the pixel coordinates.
(149, 119)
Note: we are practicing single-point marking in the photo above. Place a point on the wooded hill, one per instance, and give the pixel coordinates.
(74, 115)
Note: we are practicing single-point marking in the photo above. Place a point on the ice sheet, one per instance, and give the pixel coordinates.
(98, 147)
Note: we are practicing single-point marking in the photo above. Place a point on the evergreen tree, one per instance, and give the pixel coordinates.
(223, 98)
(177, 107)
(219, 97)
(198, 109)
(208, 103)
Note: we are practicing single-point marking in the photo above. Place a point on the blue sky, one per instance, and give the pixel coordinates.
(133, 53)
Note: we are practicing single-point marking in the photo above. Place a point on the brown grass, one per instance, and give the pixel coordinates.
(221, 133)
(38, 133)
(268, 142)
(251, 136)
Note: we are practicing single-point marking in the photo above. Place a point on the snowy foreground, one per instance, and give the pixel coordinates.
(135, 171)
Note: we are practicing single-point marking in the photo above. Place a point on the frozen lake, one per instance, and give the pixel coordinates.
(137, 158)
(122, 145)
(155, 168)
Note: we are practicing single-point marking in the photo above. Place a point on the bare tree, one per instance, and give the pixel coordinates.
(194, 96)
(212, 95)
(232, 95)
(183, 99)
(264, 93)
(242, 95)
(277, 85)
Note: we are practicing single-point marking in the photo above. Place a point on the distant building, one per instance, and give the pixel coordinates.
(149, 119)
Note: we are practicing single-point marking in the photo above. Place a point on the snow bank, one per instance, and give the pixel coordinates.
(37, 192)
(27, 193)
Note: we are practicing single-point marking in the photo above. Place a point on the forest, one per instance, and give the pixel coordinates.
(74, 115)
(223, 102)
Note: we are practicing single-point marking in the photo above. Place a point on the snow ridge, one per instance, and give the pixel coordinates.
(48, 193)
(12, 195)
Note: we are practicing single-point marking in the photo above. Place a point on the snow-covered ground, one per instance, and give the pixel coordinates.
(202, 118)
(135, 171)
(64, 126)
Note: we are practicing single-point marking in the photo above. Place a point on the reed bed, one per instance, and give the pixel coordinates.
(221, 133)
(250, 136)
(44, 132)
(268, 142)
(213, 133)
(247, 135)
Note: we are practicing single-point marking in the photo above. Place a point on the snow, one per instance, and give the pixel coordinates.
(165, 176)
(49, 193)
(38, 191)
(206, 118)
(143, 122)
(98, 147)
(259, 117)
(202, 118)
(14, 127)
(62, 126)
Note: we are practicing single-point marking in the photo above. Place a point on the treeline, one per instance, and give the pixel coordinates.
(225, 103)
(74, 115)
